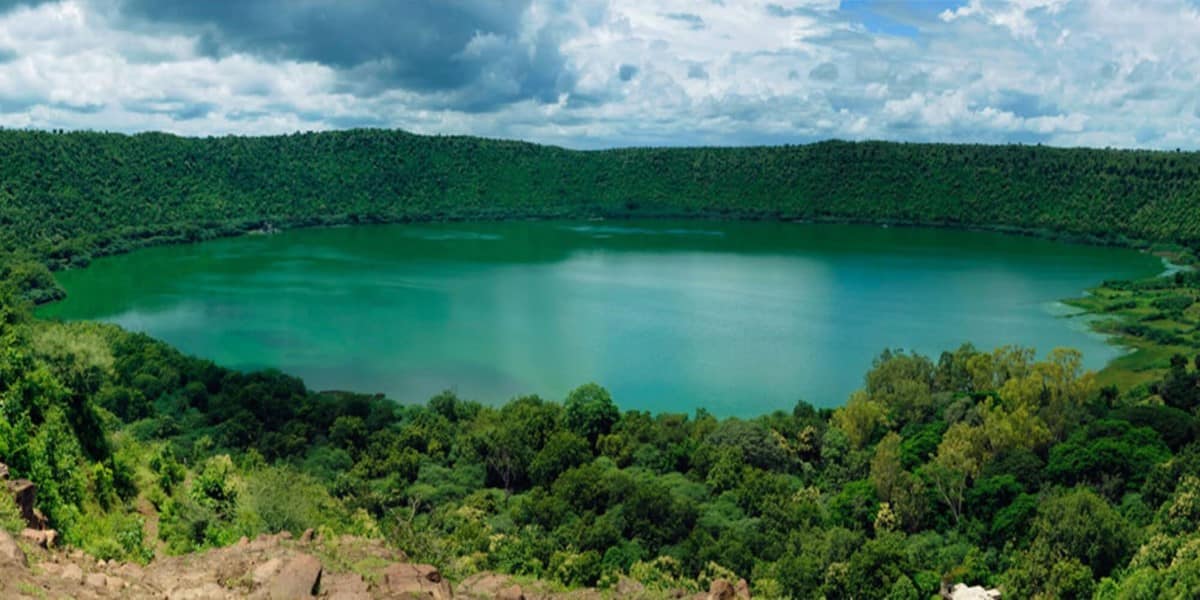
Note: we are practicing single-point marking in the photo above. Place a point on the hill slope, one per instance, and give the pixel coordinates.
(70, 196)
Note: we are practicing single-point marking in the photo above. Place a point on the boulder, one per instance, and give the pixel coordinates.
(114, 584)
(40, 537)
(490, 585)
(742, 589)
(266, 571)
(300, 577)
(72, 573)
(721, 590)
(416, 581)
(961, 591)
(512, 592)
(24, 493)
(10, 552)
(96, 580)
(628, 588)
(345, 586)
(207, 591)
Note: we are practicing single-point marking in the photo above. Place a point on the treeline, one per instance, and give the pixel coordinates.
(992, 468)
(66, 197)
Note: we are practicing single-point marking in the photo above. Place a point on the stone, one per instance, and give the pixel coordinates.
(114, 584)
(742, 589)
(10, 552)
(96, 580)
(24, 493)
(345, 586)
(208, 591)
(962, 591)
(300, 577)
(512, 592)
(721, 590)
(627, 588)
(264, 572)
(418, 581)
(72, 573)
(307, 536)
(490, 585)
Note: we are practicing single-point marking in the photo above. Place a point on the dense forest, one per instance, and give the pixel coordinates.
(986, 467)
(66, 197)
(991, 467)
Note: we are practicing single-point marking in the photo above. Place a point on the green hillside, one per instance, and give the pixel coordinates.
(991, 467)
(70, 196)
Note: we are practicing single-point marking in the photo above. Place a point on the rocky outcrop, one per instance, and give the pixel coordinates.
(961, 591)
(40, 537)
(722, 589)
(490, 585)
(406, 580)
(10, 553)
(24, 493)
(300, 577)
(278, 566)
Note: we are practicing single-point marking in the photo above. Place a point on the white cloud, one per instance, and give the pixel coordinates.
(1102, 72)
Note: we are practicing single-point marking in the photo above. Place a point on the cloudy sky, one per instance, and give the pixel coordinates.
(601, 73)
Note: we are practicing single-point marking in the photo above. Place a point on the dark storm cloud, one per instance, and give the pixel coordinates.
(468, 54)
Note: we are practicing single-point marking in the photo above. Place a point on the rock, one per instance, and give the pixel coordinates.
(962, 591)
(721, 590)
(10, 552)
(24, 493)
(208, 591)
(490, 585)
(114, 584)
(512, 592)
(417, 581)
(299, 578)
(345, 586)
(72, 573)
(96, 580)
(264, 572)
(627, 587)
(742, 589)
(307, 536)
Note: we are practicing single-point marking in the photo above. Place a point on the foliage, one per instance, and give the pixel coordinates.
(985, 467)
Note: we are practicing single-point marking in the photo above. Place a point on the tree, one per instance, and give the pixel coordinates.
(860, 419)
(885, 466)
(564, 450)
(590, 412)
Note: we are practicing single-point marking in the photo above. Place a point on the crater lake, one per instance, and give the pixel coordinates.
(737, 318)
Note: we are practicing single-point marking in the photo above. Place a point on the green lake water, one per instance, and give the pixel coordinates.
(737, 318)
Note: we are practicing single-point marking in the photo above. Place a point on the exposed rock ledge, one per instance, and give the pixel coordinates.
(275, 567)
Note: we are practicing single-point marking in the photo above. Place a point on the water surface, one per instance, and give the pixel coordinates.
(738, 318)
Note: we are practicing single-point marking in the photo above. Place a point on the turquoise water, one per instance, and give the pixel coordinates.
(738, 318)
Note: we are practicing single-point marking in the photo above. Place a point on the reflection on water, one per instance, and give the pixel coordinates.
(738, 318)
